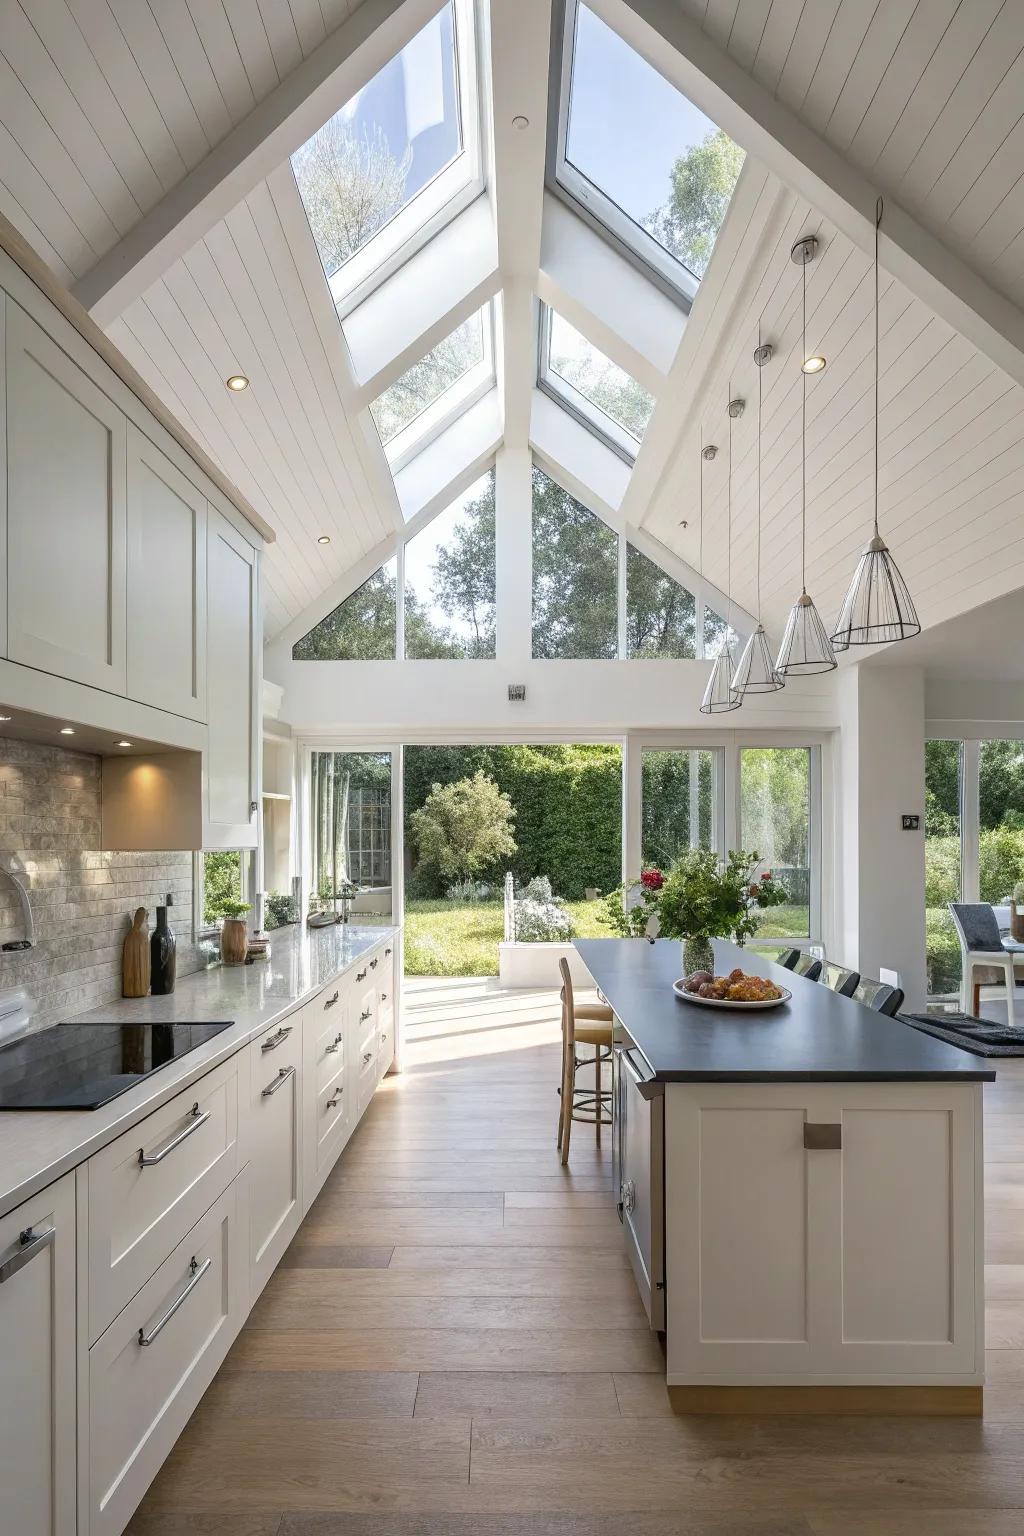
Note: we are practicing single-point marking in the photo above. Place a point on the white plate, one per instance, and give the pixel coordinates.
(726, 1002)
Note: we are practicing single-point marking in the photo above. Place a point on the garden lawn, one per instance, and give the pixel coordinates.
(444, 938)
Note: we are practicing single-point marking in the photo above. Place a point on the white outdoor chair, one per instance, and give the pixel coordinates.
(984, 960)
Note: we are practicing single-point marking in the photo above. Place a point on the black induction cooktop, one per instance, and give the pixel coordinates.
(81, 1066)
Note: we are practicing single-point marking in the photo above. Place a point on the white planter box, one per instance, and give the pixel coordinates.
(536, 965)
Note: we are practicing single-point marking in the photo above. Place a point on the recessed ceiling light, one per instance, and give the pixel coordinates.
(237, 382)
(122, 743)
(520, 122)
(67, 730)
(813, 364)
(324, 538)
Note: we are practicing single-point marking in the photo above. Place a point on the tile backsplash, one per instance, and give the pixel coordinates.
(82, 900)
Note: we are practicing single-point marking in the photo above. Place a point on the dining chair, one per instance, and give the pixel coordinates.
(879, 996)
(984, 961)
(800, 963)
(582, 1024)
(788, 958)
(839, 979)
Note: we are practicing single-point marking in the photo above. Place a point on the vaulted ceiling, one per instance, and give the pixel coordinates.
(145, 152)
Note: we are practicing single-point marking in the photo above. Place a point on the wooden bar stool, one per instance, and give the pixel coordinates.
(582, 1024)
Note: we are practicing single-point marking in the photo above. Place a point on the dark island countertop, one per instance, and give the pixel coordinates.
(818, 1037)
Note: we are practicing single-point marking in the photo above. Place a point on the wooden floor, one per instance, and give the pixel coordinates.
(454, 1345)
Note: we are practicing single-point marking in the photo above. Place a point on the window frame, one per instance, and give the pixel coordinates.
(573, 401)
(593, 205)
(248, 883)
(428, 424)
(440, 200)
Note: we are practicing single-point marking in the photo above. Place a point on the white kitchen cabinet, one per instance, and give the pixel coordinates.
(822, 1232)
(329, 1081)
(167, 518)
(233, 683)
(66, 514)
(273, 1146)
(3, 475)
(37, 1347)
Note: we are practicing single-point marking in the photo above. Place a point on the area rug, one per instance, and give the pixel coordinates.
(978, 1035)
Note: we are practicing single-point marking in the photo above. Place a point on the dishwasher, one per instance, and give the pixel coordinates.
(638, 1152)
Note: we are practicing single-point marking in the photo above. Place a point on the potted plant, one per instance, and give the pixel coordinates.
(234, 933)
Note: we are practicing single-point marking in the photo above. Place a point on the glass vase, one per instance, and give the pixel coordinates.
(698, 954)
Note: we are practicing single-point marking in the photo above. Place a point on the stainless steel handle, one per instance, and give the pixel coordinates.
(282, 1075)
(367, 1055)
(628, 1193)
(361, 975)
(332, 1000)
(272, 1042)
(253, 808)
(822, 1138)
(383, 997)
(195, 1120)
(366, 1014)
(373, 965)
(330, 1049)
(386, 953)
(196, 1273)
(332, 1101)
(30, 1242)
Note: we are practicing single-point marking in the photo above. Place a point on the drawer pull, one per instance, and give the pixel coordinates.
(330, 1049)
(366, 1013)
(333, 1100)
(367, 1056)
(282, 1076)
(383, 997)
(822, 1138)
(196, 1273)
(194, 1121)
(373, 964)
(332, 1000)
(30, 1243)
(273, 1041)
(386, 953)
(361, 975)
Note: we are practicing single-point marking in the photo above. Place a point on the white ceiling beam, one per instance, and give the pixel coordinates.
(517, 45)
(777, 136)
(431, 480)
(266, 137)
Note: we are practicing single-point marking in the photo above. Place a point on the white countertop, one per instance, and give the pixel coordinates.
(38, 1146)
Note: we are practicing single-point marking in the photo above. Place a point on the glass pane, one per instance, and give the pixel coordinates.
(604, 387)
(942, 865)
(651, 152)
(661, 616)
(394, 136)
(362, 628)
(449, 579)
(775, 823)
(427, 380)
(222, 883)
(715, 630)
(1001, 818)
(350, 832)
(678, 790)
(575, 577)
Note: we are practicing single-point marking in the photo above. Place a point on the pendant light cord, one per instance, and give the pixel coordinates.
(760, 370)
(803, 442)
(728, 566)
(878, 220)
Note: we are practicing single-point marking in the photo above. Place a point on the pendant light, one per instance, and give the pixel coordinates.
(878, 606)
(755, 671)
(806, 647)
(720, 696)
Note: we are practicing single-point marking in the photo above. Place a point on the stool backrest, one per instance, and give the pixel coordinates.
(568, 1009)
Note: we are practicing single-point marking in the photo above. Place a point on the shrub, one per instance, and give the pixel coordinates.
(941, 870)
(943, 953)
(539, 889)
(466, 892)
(463, 828)
(541, 922)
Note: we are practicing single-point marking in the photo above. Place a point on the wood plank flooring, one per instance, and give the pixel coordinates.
(454, 1345)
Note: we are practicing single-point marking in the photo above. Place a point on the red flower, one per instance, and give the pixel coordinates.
(652, 879)
(767, 875)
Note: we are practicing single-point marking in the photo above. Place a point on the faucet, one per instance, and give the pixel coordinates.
(12, 866)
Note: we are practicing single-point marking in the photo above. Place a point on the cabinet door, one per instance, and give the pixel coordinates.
(329, 1087)
(3, 475)
(166, 583)
(37, 1347)
(232, 671)
(274, 1144)
(66, 450)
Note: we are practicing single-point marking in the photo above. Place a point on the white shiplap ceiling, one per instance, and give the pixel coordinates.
(107, 106)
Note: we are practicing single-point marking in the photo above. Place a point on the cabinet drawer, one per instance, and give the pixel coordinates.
(147, 1188)
(149, 1369)
(331, 1122)
(273, 1146)
(328, 1050)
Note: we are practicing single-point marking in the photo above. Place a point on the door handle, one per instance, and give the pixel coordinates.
(822, 1138)
(332, 1000)
(30, 1242)
(195, 1120)
(273, 1041)
(196, 1271)
(277, 1082)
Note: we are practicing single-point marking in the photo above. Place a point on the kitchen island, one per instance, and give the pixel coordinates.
(800, 1190)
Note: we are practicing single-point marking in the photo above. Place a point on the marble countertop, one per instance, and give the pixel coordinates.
(39, 1146)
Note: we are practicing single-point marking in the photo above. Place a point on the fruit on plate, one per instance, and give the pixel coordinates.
(737, 987)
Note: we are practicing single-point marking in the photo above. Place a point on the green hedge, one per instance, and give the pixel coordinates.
(568, 802)
(1001, 866)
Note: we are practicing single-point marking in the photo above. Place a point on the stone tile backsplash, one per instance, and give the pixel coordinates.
(82, 900)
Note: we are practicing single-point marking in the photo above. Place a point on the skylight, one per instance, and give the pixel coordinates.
(454, 373)
(635, 154)
(398, 160)
(595, 390)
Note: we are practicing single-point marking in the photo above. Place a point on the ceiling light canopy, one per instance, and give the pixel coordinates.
(236, 382)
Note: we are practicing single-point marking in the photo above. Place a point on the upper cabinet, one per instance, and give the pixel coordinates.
(66, 514)
(233, 683)
(166, 583)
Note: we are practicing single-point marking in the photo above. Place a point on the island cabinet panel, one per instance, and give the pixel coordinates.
(822, 1232)
(37, 1347)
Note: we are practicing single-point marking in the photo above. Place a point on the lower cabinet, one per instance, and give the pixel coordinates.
(328, 1098)
(37, 1348)
(272, 1145)
(149, 1369)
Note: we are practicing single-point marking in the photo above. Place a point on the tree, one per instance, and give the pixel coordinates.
(464, 828)
(575, 577)
(463, 576)
(702, 182)
(362, 628)
(661, 616)
(608, 386)
(421, 384)
(350, 184)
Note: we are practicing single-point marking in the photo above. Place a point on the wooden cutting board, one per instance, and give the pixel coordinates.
(135, 958)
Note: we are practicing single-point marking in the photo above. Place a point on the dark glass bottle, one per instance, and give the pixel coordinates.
(163, 948)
